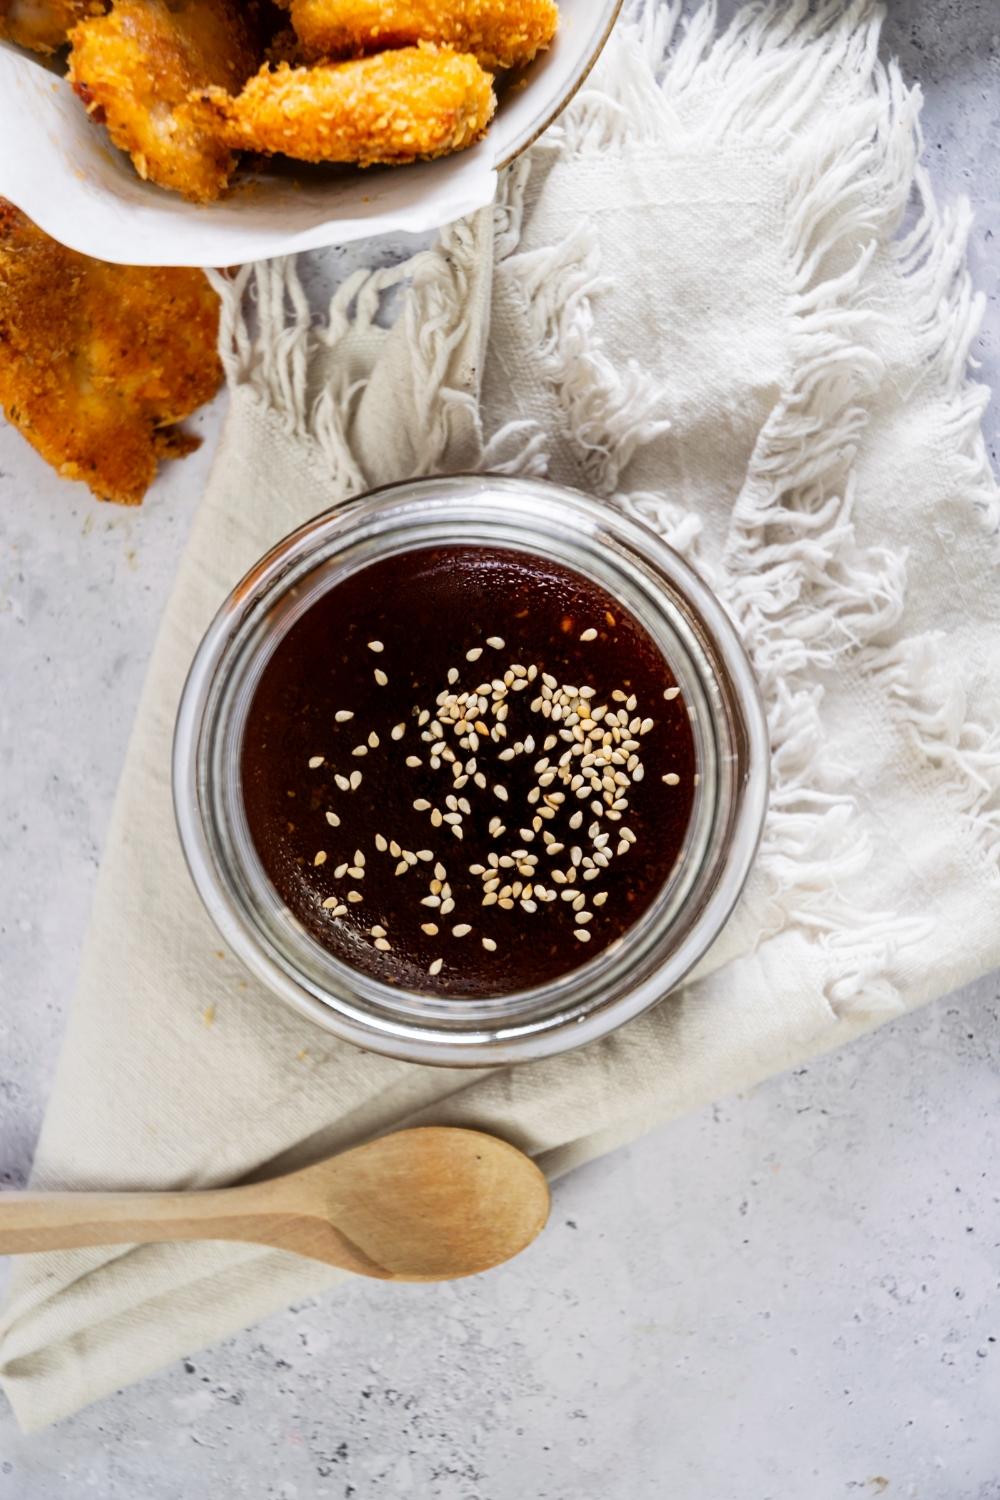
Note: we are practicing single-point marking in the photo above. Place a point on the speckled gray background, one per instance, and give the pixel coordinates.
(792, 1294)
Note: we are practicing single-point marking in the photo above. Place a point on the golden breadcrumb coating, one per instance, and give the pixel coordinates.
(394, 107)
(97, 362)
(134, 69)
(43, 25)
(500, 33)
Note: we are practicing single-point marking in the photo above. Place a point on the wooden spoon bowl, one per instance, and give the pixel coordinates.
(429, 1204)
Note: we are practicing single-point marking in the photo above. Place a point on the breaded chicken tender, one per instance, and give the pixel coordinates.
(500, 33)
(98, 362)
(134, 69)
(43, 25)
(394, 107)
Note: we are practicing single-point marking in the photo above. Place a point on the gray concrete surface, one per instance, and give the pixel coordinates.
(792, 1294)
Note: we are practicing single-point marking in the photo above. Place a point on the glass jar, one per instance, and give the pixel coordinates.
(663, 594)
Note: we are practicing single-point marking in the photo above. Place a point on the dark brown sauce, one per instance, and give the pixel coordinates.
(427, 609)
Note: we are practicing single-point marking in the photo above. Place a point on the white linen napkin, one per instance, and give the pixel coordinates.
(720, 295)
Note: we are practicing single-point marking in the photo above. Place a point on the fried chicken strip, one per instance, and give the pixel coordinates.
(134, 69)
(98, 362)
(500, 33)
(394, 107)
(42, 25)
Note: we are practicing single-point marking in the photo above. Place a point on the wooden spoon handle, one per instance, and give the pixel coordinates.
(67, 1221)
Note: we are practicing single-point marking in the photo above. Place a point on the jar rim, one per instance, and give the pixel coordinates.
(669, 599)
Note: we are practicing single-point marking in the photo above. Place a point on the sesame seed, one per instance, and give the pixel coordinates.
(381, 844)
(672, 778)
(320, 858)
(414, 760)
(340, 871)
(355, 781)
(421, 805)
(375, 646)
(430, 928)
(436, 966)
(380, 677)
(452, 674)
(672, 693)
(382, 945)
(581, 934)
(501, 792)
(333, 820)
(342, 715)
(398, 731)
(496, 641)
(315, 761)
(489, 945)
(360, 750)
(329, 903)
(474, 654)
(589, 635)
(373, 740)
(462, 930)
(355, 896)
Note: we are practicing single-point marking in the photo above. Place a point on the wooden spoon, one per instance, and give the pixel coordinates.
(430, 1204)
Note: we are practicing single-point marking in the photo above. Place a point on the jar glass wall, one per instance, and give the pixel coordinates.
(691, 631)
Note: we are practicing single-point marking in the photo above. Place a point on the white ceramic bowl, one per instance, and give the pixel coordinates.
(66, 177)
